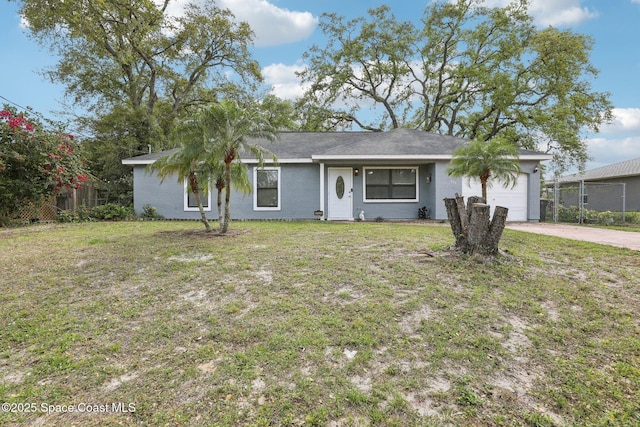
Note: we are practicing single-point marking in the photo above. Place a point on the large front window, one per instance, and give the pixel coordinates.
(391, 184)
(267, 189)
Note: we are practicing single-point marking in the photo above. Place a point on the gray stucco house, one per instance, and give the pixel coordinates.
(614, 187)
(338, 175)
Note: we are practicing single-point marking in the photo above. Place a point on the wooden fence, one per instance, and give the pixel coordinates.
(67, 201)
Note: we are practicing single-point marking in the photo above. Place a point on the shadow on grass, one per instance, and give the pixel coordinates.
(198, 233)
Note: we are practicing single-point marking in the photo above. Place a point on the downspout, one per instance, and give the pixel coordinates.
(581, 219)
(624, 200)
(556, 199)
(324, 214)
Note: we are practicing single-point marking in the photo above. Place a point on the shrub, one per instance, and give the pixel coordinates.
(606, 218)
(111, 212)
(572, 214)
(150, 212)
(632, 217)
(568, 214)
(81, 214)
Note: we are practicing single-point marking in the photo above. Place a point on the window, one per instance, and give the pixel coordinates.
(391, 184)
(267, 189)
(190, 203)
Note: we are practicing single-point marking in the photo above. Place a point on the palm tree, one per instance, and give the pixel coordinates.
(230, 126)
(496, 158)
(186, 165)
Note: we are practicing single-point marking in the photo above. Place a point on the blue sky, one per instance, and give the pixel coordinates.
(285, 29)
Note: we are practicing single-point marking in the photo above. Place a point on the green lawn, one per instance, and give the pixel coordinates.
(313, 323)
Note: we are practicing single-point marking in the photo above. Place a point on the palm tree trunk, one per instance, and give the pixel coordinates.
(205, 221)
(227, 198)
(193, 181)
(219, 187)
(483, 182)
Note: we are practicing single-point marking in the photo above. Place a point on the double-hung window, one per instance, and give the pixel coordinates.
(391, 184)
(266, 184)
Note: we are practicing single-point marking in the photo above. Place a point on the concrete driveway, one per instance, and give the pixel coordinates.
(623, 239)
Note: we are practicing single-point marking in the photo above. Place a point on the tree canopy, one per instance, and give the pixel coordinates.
(34, 161)
(136, 54)
(134, 67)
(230, 125)
(468, 70)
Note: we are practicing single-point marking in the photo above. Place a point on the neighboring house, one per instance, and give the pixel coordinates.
(609, 188)
(338, 175)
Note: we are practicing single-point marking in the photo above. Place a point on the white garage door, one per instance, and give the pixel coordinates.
(513, 198)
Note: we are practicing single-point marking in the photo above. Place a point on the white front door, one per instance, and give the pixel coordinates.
(340, 189)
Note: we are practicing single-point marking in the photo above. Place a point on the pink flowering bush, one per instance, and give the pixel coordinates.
(34, 162)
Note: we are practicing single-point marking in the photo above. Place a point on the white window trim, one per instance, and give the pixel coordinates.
(364, 185)
(255, 188)
(188, 208)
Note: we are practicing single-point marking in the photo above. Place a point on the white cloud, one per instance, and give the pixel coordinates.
(283, 79)
(24, 23)
(272, 25)
(617, 141)
(554, 12)
(606, 151)
(560, 12)
(625, 120)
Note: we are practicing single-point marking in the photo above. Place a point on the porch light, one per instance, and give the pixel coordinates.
(535, 169)
(429, 179)
(356, 171)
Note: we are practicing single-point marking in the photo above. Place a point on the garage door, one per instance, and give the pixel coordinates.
(513, 198)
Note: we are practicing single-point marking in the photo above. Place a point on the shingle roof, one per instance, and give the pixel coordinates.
(317, 146)
(397, 142)
(616, 170)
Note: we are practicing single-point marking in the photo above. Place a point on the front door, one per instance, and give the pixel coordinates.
(340, 188)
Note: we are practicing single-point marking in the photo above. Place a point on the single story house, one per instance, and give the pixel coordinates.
(343, 175)
(614, 187)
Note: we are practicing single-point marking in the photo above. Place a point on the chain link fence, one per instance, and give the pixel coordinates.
(583, 202)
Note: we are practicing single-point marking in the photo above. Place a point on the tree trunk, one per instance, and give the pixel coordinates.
(203, 215)
(472, 227)
(456, 224)
(220, 186)
(219, 201)
(193, 183)
(227, 199)
(479, 226)
(497, 227)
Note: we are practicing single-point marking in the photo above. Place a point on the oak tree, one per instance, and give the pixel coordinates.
(136, 66)
(467, 70)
